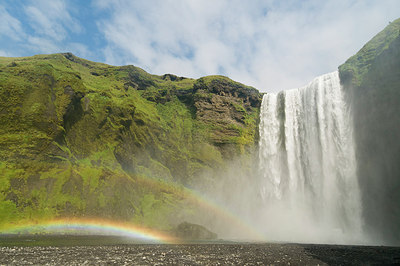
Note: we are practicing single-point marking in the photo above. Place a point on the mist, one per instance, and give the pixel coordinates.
(304, 186)
(315, 177)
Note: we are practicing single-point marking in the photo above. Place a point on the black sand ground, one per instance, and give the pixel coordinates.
(24, 252)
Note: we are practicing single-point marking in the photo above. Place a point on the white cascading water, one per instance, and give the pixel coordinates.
(309, 185)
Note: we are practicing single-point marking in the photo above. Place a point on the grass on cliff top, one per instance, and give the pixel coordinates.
(359, 64)
(211, 80)
(95, 74)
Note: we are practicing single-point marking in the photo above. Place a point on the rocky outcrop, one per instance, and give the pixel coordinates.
(230, 109)
(189, 231)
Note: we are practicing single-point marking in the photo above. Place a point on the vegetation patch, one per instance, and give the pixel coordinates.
(85, 139)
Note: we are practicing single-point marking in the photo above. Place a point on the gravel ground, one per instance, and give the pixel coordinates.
(199, 254)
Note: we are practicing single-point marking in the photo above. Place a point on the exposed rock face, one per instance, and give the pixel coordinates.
(191, 231)
(221, 102)
(227, 108)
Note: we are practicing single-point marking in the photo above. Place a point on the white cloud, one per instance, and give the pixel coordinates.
(51, 19)
(5, 54)
(10, 27)
(41, 26)
(49, 29)
(271, 45)
(78, 49)
(42, 45)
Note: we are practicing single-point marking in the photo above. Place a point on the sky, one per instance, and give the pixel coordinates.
(271, 45)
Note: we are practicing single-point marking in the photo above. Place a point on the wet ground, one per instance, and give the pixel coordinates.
(67, 250)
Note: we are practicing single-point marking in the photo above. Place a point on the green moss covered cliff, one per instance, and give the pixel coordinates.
(79, 138)
(372, 81)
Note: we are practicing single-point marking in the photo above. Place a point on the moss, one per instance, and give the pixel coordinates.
(357, 66)
(212, 80)
(8, 212)
(79, 138)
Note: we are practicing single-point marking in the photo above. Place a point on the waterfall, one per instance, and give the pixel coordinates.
(309, 185)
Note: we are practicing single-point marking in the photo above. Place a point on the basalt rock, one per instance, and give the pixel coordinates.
(191, 231)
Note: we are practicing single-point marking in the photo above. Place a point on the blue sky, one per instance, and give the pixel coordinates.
(269, 44)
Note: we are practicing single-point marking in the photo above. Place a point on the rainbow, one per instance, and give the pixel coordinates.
(92, 226)
(221, 212)
(227, 215)
(114, 228)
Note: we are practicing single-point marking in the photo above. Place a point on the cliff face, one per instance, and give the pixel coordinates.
(372, 81)
(80, 138)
